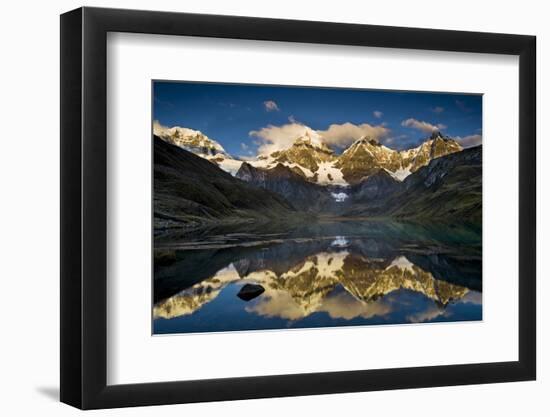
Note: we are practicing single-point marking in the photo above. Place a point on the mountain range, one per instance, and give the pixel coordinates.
(318, 282)
(197, 181)
(315, 161)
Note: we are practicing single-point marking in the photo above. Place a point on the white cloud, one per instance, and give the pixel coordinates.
(270, 105)
(249, 157)
(422, 126)
(438, 109)
(469, 141)
(292, 119)
(429, 314)
(378, 114)
(343, 135)
(244, 146)
(390, 140)
(275, 138)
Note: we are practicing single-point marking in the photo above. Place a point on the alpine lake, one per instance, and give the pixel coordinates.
(324, 273)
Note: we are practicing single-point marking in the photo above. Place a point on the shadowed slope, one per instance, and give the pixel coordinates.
(191, 191)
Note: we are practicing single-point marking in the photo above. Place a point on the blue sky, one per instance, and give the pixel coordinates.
(246, 119)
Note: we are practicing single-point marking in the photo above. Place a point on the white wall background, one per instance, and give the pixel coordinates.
(29, 218)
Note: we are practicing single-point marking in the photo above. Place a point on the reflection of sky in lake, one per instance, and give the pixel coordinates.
(319, 282)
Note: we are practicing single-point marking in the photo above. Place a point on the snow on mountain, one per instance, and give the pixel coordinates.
(373, 148)
(402, 263)
(198, 143)
(339, 197)
(337, 282)
(307, 152)
(270, 163)
(340, 242)
(227, 163)
(401, 173)
(308, 157)
(435, 146)
(399, 164)
(365, 157)
(329, 174)
(189, 139)
(312, 159)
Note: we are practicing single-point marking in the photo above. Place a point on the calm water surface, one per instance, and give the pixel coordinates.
(322, 274)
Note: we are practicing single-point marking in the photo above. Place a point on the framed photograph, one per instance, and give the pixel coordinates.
(256, 208)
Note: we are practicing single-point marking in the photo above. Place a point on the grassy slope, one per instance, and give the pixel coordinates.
(449, 189)
(191, 191)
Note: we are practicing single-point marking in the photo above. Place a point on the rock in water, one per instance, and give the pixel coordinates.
(250, 291)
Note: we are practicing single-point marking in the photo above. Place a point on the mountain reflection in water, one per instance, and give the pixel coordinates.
(376, 273)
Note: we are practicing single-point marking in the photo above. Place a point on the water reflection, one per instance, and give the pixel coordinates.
(316, 280)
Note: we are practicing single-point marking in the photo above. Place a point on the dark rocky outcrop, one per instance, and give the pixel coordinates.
(375, 187)
(250, 291)
(293, 187)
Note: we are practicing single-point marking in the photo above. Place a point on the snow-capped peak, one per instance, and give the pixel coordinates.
(312, 139)
(310, 156)
(436, 134)
(192, 140)
(402, 263)
(366, 143)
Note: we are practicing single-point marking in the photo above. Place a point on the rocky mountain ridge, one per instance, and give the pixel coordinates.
(315, 161)
(442, 182)
(310, 283)
(449, 187)
(191, 140)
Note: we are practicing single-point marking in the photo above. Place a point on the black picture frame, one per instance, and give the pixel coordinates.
(84, 207)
